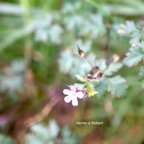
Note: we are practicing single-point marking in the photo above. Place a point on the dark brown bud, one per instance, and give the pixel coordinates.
(80, 52)
(98, 74)
(90, 77)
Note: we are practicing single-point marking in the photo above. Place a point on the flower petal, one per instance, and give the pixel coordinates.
(67, 92)
(79, 95)
(67, 99)
(73, 88)
(74, 101)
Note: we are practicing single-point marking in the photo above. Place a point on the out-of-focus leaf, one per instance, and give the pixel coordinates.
(135, 37)
(101, 64)
(70, 63)
(113, 67)
(15, 9)
(141, 76)
(134, 56)
(80, 78)
(118, 9)
(53, 128)
(84, 46)
(40, 130)
(8, 8)
(73, 22)
(99, 28)
(31, 138)
(142, 85)
(54, 34)
(68, 137)
(91, 92)
(6, 140)
(16, 67)
(101, 86)
(70, 8)
(117, 85)
(48, 32)
(130, 27)
(79, 86)
(90, 89)
(11, 83)
(66, 61)
(41, 133)
(12, 80)
(18, 34)
(141, 73)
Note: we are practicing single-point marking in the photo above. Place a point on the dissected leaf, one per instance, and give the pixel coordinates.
(117, 85)
(113, 67)
(66, 61)
(134, 56)
(101, 86)
(130, 27)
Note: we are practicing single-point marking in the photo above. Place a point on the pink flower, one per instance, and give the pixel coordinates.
(72, 95)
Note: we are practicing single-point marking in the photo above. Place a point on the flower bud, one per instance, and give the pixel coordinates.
(90, 77)
(99, 74)
(80, 52)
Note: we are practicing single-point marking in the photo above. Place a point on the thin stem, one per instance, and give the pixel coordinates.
(107, 45)
(88, 62)
(82, 54)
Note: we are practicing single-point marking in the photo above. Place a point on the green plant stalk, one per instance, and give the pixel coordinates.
(27, 18)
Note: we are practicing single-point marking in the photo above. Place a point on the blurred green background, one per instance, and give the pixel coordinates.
(38, 59)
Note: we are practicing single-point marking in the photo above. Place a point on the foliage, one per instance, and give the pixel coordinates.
(6, 140)
(39, 58)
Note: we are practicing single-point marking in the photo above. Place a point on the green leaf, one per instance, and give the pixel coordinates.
(91, 92)
(114, 67)
(81, 78)
(90, 89)
(40, 133)
(6, 140)
(117, 85)
(121, 8)
(141, 76)
(134, 57)
(18, 34)
(142, 86)
(141, 73)
(79, 85)
(101, 87)
(66, 61)
(130, 27)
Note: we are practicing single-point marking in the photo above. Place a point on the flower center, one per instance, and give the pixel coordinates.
(74, 95)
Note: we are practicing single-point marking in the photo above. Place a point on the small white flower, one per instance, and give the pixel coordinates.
(72, 95)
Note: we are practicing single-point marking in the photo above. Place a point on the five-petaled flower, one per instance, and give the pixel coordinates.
(72, 95)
